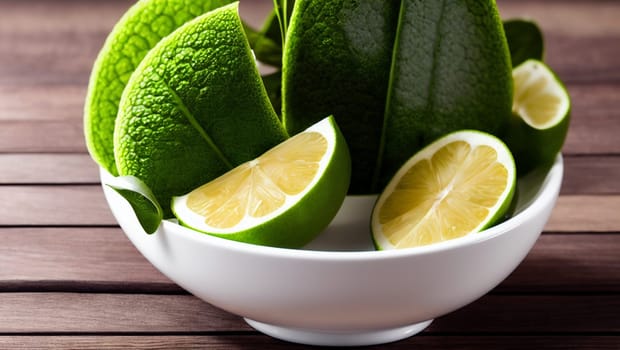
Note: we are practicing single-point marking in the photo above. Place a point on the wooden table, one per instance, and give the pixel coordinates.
(70, 278)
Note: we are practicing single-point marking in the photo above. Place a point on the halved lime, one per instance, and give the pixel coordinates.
(283, 198)
(457, 185)
(541, 115)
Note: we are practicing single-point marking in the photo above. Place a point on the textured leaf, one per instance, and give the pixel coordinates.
(396, 75)
(140, 29)
(194, 108)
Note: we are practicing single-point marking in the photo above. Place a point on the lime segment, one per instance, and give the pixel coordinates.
(283, 198)
(459, 184)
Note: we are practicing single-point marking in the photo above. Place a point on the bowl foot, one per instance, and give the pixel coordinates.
(335, 338)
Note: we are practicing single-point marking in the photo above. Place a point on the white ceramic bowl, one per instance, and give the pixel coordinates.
(339, 291)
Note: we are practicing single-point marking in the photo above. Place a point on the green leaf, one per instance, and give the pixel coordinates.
(139, 30)
(396, 75)
(195, 108)
(145, 206)
(280, 9)
(267, 42)
(525, 40)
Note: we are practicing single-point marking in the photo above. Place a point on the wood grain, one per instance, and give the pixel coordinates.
(47, 168)
(103, 260)
(99, 256)
(56, 205)
(120, 313)
(591, 175)
(45, 125)
(582, 174)
(581, 213)
(253, 341)
(69, 278)
(127, 313)
(568, 263)
(73, 31)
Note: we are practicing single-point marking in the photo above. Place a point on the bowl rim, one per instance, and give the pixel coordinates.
(548, 191)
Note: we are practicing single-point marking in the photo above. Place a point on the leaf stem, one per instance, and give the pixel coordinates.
(282, 15)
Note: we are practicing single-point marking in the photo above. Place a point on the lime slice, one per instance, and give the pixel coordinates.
(194, 108)
(459, 184)
(541, 115)
(139, 30)
(283, 198)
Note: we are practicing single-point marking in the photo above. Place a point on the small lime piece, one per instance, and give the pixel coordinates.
(541, 116)
(460, 184)
(283, 198)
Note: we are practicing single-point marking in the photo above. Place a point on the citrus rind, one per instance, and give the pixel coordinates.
(303, 215)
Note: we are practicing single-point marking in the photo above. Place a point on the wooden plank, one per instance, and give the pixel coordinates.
(56, 205)
(591, 175)
(56, 43)
(568, 263)
(253, 341)
(103, 260)
(34, 32)
(579, 36)
(595, 119)
(582, 174)
(42, 102)
(42, 136)
(572, 18)
(581, 213)
(50, 168)
(92, 312)
(101, 257)
(534, 314)
(48, 127)
(130, 313)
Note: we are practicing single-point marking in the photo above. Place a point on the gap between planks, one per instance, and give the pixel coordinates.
(251, 340)
(98, 260)
(75, 205)
(76, 312)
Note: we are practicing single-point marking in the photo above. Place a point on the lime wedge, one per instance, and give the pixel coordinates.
(139, 30)
(460, 184)
(283, 198)
(541, 116)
